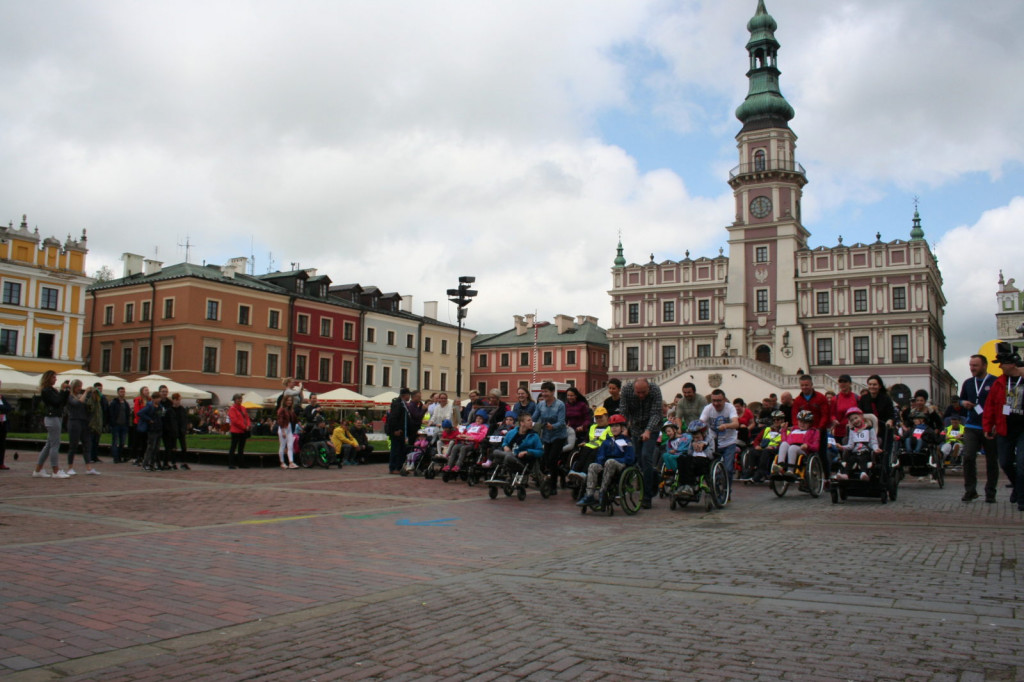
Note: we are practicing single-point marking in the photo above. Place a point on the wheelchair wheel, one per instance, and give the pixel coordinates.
(429, 473)
(748, 462)
(719, 484)
(815, 476)
(508, 491)
(521, 494)
(472, 477)
(779, 486)
(940, 476)
(631, 490)
(835, 494)
(492, 492)
(308, 456)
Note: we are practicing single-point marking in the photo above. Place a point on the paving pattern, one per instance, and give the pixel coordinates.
(322, 575)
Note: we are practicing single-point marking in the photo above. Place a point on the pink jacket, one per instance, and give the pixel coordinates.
(809, 439)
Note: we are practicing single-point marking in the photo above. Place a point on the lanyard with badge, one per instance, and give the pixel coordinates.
(977, 394)
(1012, 397)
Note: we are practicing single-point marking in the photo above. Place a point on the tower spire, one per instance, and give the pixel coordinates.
(764, 107)
(620, 260)
(916, 232)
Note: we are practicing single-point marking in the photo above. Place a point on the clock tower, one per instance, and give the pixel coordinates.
(761, 313)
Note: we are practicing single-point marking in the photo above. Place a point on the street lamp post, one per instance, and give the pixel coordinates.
(461, 297)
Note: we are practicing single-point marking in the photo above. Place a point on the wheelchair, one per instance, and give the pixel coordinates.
(926, 463)
(712, 487)
(516, 479)
(315, 449)
(882, 484)
(627, 492)
(808, 475)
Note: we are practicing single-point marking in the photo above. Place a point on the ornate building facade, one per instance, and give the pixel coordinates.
(777, 306)
(1010, 312)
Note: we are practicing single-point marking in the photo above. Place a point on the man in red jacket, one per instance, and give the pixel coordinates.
(817, 404)
(843, 401)
(1004, 418)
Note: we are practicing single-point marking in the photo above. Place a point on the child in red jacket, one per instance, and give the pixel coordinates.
(797, 441)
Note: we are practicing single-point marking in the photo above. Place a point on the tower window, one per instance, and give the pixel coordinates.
(824, 351)
(760, 160)
(634, 313)
(860, 300)
(823, 303)
(899, 298)
(761, 254)
(762, 300)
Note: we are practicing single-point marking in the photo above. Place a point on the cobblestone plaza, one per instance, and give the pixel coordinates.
(327, 575)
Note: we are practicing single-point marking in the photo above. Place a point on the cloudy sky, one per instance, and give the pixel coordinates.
(402, 144)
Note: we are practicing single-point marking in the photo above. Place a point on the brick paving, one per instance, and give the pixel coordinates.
(264, 574)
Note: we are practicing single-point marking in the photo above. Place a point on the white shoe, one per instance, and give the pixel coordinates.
(61, 474)
(42, 474)
(91, 472)
(72, 472)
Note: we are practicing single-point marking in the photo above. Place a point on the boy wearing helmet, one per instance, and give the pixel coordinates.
(615, 454)
(768, 445)
(798, 441)
(693, 464)
(596, 435)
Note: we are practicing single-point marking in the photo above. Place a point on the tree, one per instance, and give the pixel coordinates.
(104, 274)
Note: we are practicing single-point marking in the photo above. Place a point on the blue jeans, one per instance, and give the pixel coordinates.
(1011, 459)
(729, 460)
(646, 453)
(118, 440)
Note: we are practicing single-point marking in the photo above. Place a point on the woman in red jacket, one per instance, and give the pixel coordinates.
(1004, 418)
(238, 418)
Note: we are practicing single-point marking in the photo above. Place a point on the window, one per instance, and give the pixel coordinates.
(426, 379)
(348, 331)
(525, 385)
(346, 371)
(410, 341)
(503, 387)
(444, 346)
(300, 366)
(302, 324)
(668, 356)
(481, 387)
(822, 298)
(385, 376)
(274, 319)
(860, 300)
(900, 348)
(368, 373)
(105, 360)
(108, 315)
(505, 359)
(242, 363)
(243, 314)
(371, 335)
(524, 359)
(547, 358)
(426, 344)
(48, 298)
(272, 361)
(704, 309)
(633, 358)
(634, 313)
(761, 254)
(325, 369)
(391, 338)
(482, 360)
(861, 350)
(146, 312)
(126, 359)
(212, 310)
(9, 342)
(759, 160)
(762, 300)
(300, 285)
(166, 355)
(899, 298)
(12, 293)
(405, 377)
(143, 358)
(444, 381)
(326, 327)
(168, 308)
(210, 359)
(824, 351)
(668, 311)
(44, 345)
(129, 312)
(570, 357)
(703, 350)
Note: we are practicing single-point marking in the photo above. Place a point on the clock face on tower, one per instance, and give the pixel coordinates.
(760, 207)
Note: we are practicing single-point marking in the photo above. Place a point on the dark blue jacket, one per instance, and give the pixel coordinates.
(975, 391)
(151, 417)
(610, 449)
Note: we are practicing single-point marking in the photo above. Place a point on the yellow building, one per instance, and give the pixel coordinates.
(42, 311)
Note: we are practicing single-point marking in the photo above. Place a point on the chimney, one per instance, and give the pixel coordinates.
(520, 325)
(430, 309)
(583, 319)
(234, 266)
(407, 304)
(153, 266)
(564, 323)
(531, 319)
(132, 264)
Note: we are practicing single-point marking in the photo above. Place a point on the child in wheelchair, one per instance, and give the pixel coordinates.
(495, 439)
(520, 448)
(467, 442)
(612, 457)
(585, 453)
(676, 445)
(796, 442)
(952, 439)
(917, 435)
(859, 454)
(767, 446)
(419, 450)
(692, 465)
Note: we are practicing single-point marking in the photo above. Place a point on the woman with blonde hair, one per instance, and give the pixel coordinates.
(53, 402)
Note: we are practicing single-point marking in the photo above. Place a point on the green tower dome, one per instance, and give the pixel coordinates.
(620, 260)
(764, 107)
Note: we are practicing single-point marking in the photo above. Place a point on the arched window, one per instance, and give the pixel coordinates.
(763, 354)
(759, 160)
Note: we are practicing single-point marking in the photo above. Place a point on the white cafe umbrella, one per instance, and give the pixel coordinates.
(13, 382)
(154, 381)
